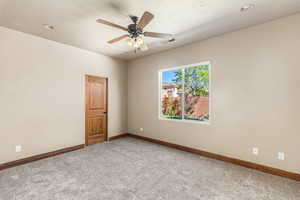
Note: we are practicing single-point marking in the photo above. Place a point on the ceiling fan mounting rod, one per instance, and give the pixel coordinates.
(135, 19)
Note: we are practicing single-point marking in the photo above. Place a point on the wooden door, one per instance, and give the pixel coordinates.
(96, 110)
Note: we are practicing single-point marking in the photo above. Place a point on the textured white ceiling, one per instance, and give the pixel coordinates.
(188, 20)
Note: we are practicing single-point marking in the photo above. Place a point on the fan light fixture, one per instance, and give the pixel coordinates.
(137, 42)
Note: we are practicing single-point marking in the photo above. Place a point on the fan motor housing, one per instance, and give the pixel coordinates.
(134, 30)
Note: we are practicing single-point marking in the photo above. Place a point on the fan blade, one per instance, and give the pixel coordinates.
(101, 21)
(118, 39)
(157, 35)
(146, 18)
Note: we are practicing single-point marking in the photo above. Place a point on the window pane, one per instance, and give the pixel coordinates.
(171, 94)
(196, 93)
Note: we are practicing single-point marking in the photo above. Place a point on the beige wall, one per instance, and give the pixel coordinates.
(255, 94)
(42, 94)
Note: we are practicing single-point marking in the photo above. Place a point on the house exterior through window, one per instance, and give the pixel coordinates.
(185, 92)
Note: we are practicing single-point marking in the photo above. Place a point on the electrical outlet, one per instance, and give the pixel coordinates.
(255, 150)
(280, 156)
(18, 148)
(141, 129)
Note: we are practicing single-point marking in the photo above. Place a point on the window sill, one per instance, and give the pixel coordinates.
(185, 121)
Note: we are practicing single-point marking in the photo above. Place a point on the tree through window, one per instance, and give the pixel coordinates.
(185, 93)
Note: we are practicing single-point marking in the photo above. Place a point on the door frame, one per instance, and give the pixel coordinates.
(86, 103)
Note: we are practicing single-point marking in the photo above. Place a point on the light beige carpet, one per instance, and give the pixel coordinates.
(131, 169)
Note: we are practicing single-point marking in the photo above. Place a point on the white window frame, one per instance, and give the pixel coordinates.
(160, 93)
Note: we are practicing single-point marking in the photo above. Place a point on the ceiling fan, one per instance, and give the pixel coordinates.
(136, 33)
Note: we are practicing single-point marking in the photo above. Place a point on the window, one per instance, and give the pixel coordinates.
(184, 93)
